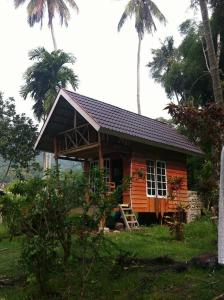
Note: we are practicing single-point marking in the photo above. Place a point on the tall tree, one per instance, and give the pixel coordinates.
(144, 11)
(36, 11)
(218, 95)
(45, 77)
(182, 71)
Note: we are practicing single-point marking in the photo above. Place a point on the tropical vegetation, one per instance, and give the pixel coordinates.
(45, 77)
(18, 134)
(36, 11)
(144, 11)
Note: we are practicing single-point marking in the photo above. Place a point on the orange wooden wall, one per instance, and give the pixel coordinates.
(138, 194)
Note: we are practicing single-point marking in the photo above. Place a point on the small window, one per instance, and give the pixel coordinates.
(156, 178)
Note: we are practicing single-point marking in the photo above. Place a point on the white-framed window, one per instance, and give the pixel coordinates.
(156, 178)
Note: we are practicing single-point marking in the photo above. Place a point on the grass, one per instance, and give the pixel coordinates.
(110, 281)
(156, 241)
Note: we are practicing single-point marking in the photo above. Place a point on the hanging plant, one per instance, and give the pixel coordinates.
(140, 173)
(175, 183)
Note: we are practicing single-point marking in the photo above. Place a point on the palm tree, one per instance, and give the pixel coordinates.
(144, 11)
(45, 77)
(162, 62)
(36, 10)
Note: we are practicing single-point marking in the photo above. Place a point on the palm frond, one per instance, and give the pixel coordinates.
(46, 76)
(156, 12)
(129, 10)
(35, 11)
(37, 53)
(17, 3)
(63, 12)
(73, 4)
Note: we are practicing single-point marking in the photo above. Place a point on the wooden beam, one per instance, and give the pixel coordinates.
(79, 149)
(72, 129)
(70, 158)
(56, 152)
(55, 148)
(101, 164)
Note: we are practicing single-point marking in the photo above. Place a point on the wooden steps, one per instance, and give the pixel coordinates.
(128, 216)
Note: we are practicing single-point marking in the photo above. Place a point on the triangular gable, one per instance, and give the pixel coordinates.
(75, 105)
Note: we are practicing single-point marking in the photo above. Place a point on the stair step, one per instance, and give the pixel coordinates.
(130, 215)
(127, 213)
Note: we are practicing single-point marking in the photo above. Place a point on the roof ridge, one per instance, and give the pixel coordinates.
(81, 106)
(142, 116)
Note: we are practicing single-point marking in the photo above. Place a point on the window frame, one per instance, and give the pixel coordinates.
(155, 162)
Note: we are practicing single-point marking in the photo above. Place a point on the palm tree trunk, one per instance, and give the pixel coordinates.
(213, 62)
(221, 213)
(53, 37)
(138, 74)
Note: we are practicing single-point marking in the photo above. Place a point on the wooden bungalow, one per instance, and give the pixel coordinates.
(124, 143)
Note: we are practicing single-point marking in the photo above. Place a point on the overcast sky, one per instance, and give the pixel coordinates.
(106, 59)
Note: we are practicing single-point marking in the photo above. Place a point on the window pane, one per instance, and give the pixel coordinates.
(161, 178)
(150, 177)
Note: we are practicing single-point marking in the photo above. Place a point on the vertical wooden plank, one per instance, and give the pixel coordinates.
(101, 165)
(56, 158)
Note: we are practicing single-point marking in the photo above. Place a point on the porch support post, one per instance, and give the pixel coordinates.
(56, 152)
(101, 165)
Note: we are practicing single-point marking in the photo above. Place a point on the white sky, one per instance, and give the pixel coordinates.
(106, 59)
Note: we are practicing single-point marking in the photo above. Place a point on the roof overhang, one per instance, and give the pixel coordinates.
(151, 143)
(76, 107)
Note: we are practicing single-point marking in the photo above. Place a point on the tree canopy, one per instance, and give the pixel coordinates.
(36, 11)
(18, 134)
(46, 76)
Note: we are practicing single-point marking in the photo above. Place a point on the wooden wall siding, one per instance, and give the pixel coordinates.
(141, 202)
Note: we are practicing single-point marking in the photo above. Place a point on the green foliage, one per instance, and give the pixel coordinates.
(36, 11)
(182, 71)
(46, 77)
(145, 282)
(144, 12)
(42, 210)
(18, 134)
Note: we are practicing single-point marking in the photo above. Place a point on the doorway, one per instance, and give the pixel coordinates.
(117, 174)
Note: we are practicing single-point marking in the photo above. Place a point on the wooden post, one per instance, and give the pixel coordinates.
(101, 164)
(56, 152)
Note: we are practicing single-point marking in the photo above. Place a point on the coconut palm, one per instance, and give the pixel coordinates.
(144, 12)
(36, 10)
(45, 77)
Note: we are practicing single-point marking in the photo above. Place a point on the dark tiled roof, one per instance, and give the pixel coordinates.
(119, 120)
